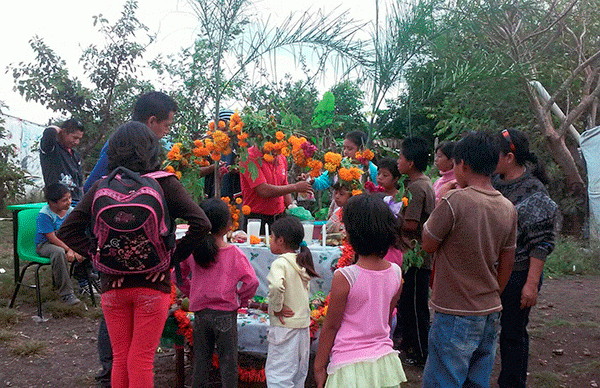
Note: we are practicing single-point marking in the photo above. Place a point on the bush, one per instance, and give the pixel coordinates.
(572, 257)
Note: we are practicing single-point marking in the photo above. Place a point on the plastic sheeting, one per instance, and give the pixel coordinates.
(25, 136)
(590, 148)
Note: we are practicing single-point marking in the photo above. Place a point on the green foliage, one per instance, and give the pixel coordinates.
(323, 116)
(25, 348)
(13, 178)
(349, 103)
(571, 257)
(112, 69)
(8, 316)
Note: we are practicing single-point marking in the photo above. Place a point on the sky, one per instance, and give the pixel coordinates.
(67, 27)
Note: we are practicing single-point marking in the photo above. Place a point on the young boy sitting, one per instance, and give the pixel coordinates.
(341, 195)
(49, 219)
(472, 233)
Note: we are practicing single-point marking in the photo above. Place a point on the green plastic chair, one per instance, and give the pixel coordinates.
(26, 252)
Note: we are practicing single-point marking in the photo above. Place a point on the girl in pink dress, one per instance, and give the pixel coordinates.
(355, 348)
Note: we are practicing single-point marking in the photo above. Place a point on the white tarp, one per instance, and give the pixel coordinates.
(590, 148)
(26, 137)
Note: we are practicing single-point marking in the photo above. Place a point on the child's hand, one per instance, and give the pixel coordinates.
(285, 312)
(70, 255)
(320, 377)
(78, 257)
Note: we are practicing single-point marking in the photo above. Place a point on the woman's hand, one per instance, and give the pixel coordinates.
(158, 276)
(117, 283)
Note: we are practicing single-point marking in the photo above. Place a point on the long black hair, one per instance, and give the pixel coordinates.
(518, 140)
(135, 147)
(217, 212)
(292, 232)
(370, 225)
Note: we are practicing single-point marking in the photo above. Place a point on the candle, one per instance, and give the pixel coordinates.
(267, 234)
(324, 235)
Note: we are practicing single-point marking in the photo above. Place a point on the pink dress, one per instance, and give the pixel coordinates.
(364, 334)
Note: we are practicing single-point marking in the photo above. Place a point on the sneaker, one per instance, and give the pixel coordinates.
(70, 299)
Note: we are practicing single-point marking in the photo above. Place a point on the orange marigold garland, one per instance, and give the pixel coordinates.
(183, 321)
(247, 375)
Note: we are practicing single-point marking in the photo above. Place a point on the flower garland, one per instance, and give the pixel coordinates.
(183, 321)
(247, 375)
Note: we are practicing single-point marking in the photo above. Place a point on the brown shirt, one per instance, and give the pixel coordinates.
(180, 204)
(420, 206)
(473, 226)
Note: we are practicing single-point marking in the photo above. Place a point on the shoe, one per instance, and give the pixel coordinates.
(70, 299)
(85, 291)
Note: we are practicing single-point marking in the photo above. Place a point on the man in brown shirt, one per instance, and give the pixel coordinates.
(472, 233)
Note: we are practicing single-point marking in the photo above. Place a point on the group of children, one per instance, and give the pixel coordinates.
(471, 233)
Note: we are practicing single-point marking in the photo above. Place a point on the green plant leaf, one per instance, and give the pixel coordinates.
(323, 115)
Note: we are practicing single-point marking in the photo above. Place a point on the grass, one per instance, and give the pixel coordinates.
(546, 379)
(28, 347)
(6, 335)
(585, 367)
(558, 322)
(8, 316)
(589, 324)
(573, 257)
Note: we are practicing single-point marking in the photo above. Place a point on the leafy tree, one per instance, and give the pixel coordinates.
(349, 104)
(111, 69)
(235, 43)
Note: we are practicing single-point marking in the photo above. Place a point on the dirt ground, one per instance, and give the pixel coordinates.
(61, 352)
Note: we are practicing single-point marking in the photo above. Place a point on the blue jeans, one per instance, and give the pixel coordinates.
(462, 350)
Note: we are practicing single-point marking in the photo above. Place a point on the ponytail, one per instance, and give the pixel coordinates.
(206, 251)
(304, 259)
(539, 171)
(217, 212)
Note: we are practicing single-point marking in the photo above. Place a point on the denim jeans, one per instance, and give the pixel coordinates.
(215, 327)
(462, 350)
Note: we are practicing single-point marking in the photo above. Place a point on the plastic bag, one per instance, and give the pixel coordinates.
(301, 213)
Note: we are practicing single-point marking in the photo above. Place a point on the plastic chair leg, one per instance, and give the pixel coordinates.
(38, 292)
(37, 287)
(18, 286)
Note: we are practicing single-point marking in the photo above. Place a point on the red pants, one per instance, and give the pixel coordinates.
(135, 318)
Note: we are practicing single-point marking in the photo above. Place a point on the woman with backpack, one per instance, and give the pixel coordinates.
(135, 277)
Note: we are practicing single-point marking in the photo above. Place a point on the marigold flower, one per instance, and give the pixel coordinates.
(215, 156)
(238, 200)
(268, 158)
(226, 199)
(211, 125)
(345, 174)
(279, 135)
(356, 192)
(285, 152)
(221, 124)
(333, 158)
(330, 167)
(242, 144)
(170, 169)
(178, 174)
(246, 210)
(198, 143)
(405, 201)
(235, 118)
(269, 146)
(254, 239)
(235, 217)
(356, 172)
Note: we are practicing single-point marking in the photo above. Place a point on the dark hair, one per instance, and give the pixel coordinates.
(391, 165)
(447, 148)
(55, 191)
(290, 228)
(416, 150)
(217, 212)
(522, 152)
(370, 225)
(155, 104)
(358, 137)
(479, 151)
(134, 146)
(71, 125)
(341, 184)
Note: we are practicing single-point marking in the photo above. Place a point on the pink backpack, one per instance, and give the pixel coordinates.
(132, 230)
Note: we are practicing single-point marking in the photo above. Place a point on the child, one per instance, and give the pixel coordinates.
(217, 268)
(388, 176)
(412, 309)
(473, 234)
(289, 277)
(444, 163)
(521, 179)
(49, 219)
(136, 306)
(341, 194)
(355, 348)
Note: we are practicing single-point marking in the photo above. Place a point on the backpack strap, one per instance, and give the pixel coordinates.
(158, 174)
